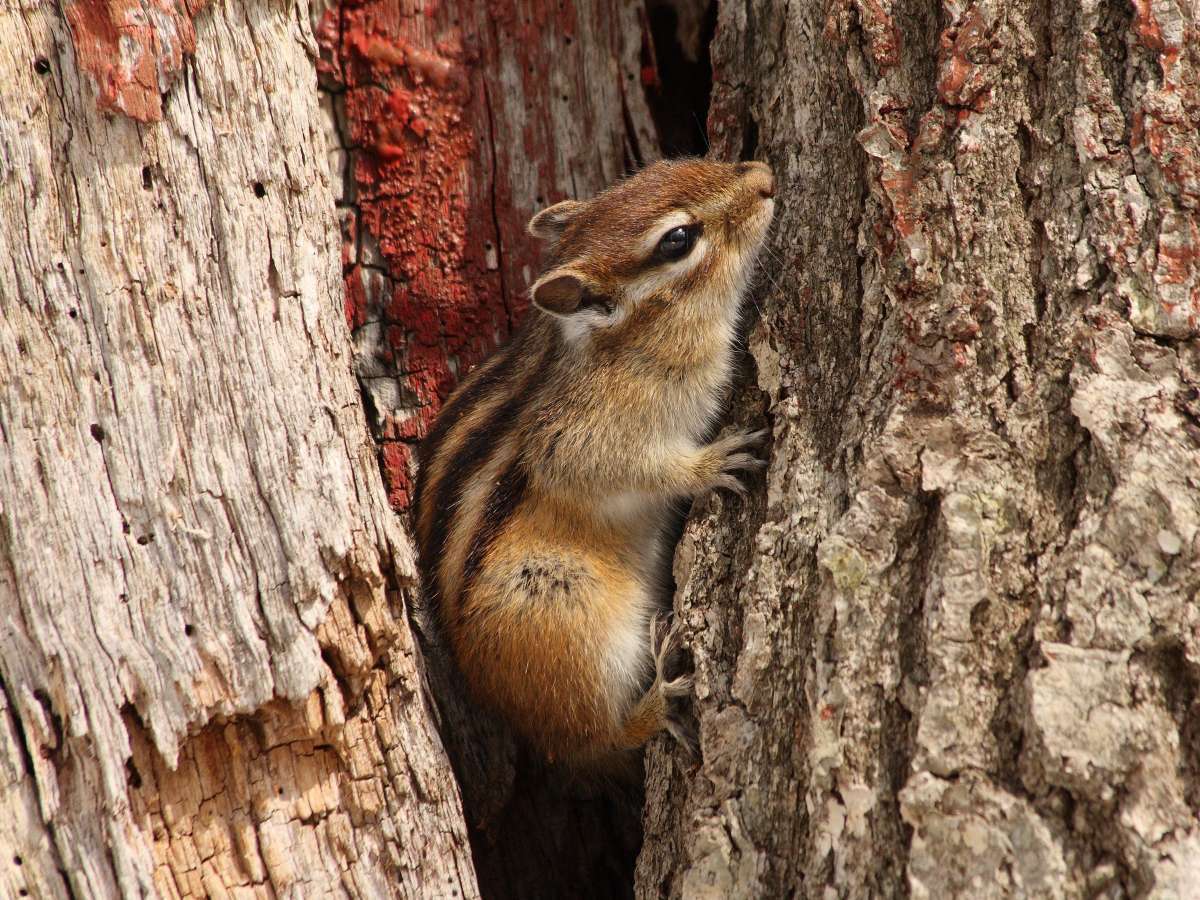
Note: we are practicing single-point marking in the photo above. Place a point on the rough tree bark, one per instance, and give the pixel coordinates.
(953, 647)
(949, 647)
(208, 687)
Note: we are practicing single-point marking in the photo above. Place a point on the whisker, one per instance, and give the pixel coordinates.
(703, 134)
(773, 253)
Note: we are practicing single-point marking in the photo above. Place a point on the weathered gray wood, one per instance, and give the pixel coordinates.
(951, 647)
(208, 684)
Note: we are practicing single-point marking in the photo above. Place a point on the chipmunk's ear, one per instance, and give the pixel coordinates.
(550, 222)
(559, 291)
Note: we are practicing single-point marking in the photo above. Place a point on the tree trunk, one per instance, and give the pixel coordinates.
(952, 646)
(209, 687)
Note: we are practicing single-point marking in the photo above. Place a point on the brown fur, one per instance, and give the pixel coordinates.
(547, 484)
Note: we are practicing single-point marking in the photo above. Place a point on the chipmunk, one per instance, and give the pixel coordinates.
(546, 486)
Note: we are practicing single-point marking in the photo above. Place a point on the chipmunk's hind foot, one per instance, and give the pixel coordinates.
(675, 722)
(655, 712)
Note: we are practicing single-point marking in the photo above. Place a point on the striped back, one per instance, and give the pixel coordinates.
(472, 469)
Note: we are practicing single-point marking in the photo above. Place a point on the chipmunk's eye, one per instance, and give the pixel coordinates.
(678, 242)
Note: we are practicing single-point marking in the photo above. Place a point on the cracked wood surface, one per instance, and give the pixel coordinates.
(208, 686)
(952, 646)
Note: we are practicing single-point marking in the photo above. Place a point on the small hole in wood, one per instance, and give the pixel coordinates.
(98, 432)
(145, 539)
(132, 775)
(41, 65)
(73, 313)
(17, 861)
(147, 178)
(189, 629)
(259, 190)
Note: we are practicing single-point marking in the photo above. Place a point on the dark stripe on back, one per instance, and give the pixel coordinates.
(459, 404)
(501, 504)
(474, 452)
(462, 401)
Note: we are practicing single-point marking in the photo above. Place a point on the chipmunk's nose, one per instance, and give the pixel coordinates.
(760, 177)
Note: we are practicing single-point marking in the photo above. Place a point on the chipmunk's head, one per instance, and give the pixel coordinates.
(679, 239)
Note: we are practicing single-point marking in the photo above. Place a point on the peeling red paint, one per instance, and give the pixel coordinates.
(962, 81)
(446, 106)
(940, 318)
(883, 37)
(649, 73)
(1178, 252)
(962, 355)
(132, 49)
(884, 42)
(1167, 120)
(837, 22)
(898, 183)
(1166, 129)
(1146, 25)
(900, 168)
(420, 193)
(930, 131)
(1177, 276)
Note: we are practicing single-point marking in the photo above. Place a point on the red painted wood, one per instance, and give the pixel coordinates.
(133, 48)
(463, 119)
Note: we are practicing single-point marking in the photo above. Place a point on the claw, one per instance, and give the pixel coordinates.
(739, 440)
(678, 687)
(730, 482)
(743, 462)
(662, 646)
(685, 737)
(735, 458)
(756, 438)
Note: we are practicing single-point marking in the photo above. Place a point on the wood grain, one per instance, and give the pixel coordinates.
(209, 685)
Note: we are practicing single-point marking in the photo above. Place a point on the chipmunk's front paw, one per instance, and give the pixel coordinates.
(733, 457)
